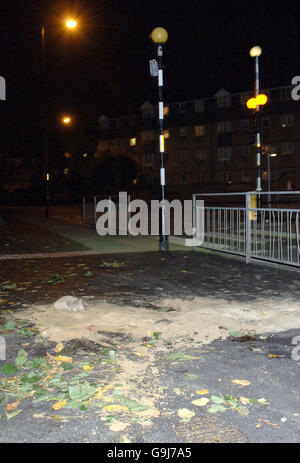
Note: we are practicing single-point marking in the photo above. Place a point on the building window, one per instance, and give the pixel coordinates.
(286, 93)
(223, 101)
(224, 153)
(182, 131)
(183, 156)
(200, 178)
(132, 142)
(166, 110)
(244, 124)
(245, 176)
(148, 112)
(245, 151)
(149, 158)
(183, 178)
(182, 107)
(287, 148)
(287, 120)
(199, 106)
(265, 174)
(265, 122)
(224, 126)
(166, 133)
(200, 155)
(199, 130)
(227, 177)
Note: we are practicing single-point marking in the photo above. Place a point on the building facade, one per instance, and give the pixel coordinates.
(210, 142)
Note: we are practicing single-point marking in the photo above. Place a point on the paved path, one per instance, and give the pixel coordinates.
(87, 237)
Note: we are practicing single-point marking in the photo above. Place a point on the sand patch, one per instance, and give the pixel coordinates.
(203, 319)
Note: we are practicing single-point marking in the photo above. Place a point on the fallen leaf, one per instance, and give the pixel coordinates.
(201, 402)
(202, 392)
(273, 356)
(115, 408)
(60, 404)
(185, 413)
(62, 358)
(59, 347)
(88, 367)
(12, 406)
(241, 382)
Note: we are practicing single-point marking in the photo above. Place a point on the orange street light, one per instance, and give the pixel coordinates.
(66, 120)
(71, 23)
(260, 100)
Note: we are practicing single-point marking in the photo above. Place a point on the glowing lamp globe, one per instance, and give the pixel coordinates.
(71, 23)
(159, 35)
(251, 104)
(261, 99)
(255, 51)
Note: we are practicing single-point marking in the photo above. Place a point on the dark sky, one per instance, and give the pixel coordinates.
(103, 66)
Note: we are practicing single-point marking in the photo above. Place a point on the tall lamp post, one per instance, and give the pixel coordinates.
(255, 53)
(69, 24)
(159, 36)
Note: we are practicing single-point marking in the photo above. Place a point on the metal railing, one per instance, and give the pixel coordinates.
(267, 233)
(89, 208)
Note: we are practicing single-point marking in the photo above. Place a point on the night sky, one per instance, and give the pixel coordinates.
(103, 66)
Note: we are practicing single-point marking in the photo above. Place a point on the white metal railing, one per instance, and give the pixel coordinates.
(266, 233)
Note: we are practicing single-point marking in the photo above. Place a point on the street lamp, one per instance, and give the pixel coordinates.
(255, 53)
(70, 24)
(159, 36)
(67, 120)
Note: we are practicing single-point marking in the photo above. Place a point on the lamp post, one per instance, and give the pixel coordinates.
(159, 36)
(272, 155)
(255, 53)
(69, 24)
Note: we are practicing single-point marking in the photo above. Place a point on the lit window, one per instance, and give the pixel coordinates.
(166, 110)
(199, 130)
(166, 133)
(132, 142)
(66, 171)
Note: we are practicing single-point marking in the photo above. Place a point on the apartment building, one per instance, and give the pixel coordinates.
(210, 142)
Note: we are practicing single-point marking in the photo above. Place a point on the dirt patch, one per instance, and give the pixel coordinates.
(203, 319)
